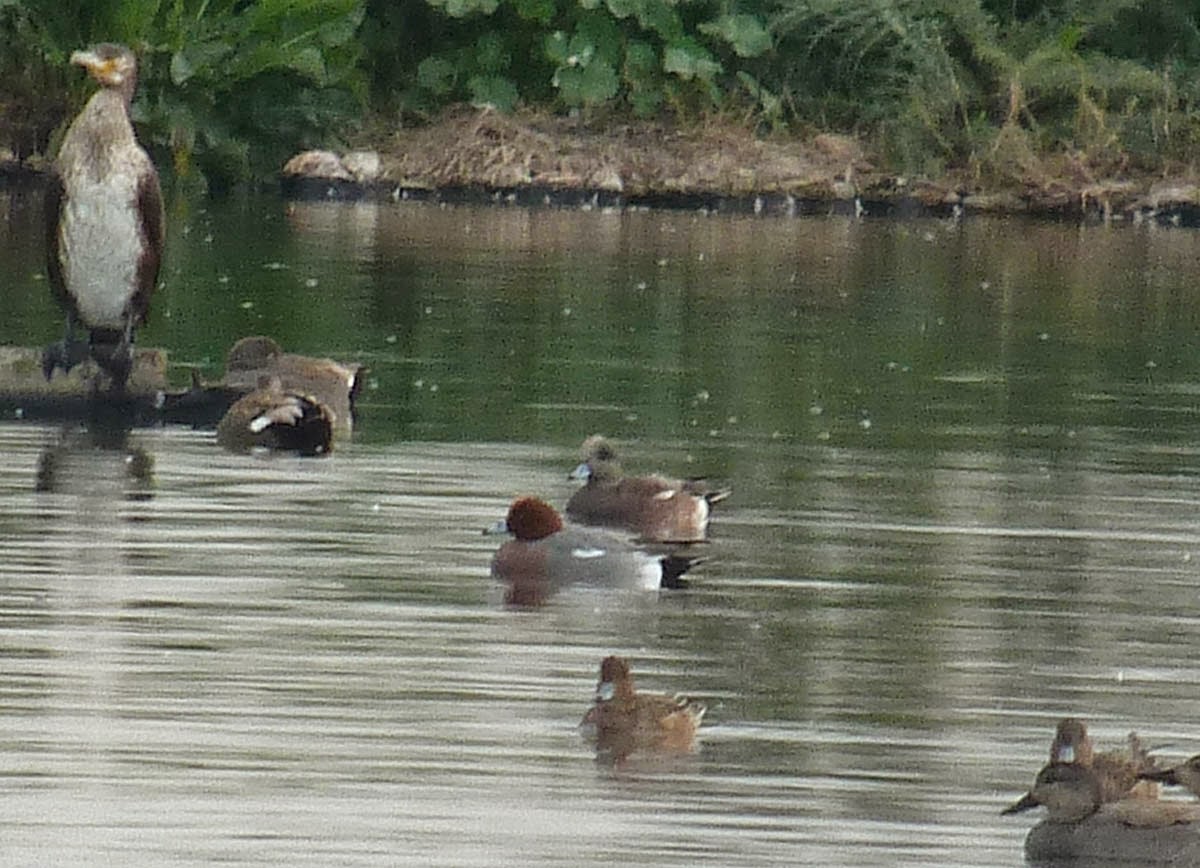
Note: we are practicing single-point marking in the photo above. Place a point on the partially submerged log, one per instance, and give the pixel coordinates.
(85, 393)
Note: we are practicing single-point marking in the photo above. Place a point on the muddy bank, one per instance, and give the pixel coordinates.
(480, 155)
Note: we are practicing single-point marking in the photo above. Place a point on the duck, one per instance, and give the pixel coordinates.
(1117, 772)
(623, 722)
(1186, 774)
(105, 223)
(547, 554)
(654, 508)
(336, 385)
(1080, 827)
(1069, 792)
(277, 419)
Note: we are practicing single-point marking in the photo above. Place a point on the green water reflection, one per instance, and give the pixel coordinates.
(503, 324)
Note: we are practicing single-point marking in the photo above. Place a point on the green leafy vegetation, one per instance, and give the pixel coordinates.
(637, 55)
(230, 88)
(988, 84)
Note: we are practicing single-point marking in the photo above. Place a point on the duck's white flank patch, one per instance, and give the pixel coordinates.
(650, 572)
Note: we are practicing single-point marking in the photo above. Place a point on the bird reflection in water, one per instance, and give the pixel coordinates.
(90, 459)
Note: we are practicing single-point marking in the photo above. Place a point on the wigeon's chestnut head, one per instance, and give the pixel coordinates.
(1116, 771)
(530, 518)
(546, 555)
(333, 384)
(655, 508)
(273, 418)
(1186, 774)
(623, 722)
(1082, 829)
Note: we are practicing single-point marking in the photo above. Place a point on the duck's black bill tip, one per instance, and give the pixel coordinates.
(1025, 803)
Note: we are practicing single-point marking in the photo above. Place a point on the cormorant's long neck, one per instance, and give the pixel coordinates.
(99, 135)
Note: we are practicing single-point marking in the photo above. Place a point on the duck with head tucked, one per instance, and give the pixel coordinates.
(1117, 772)
(1082, 828)
(332, 384)
(655, 508)
(624, 722)
(276, 419)
(545, 555)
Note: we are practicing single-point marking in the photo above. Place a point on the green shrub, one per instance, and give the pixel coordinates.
(231, 87)
(643, 55)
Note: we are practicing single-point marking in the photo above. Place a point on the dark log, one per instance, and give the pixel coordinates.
(86, 394)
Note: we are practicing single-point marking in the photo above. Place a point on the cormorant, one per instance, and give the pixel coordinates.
(105, 222)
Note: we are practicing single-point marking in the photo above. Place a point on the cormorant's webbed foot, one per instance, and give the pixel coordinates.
(113, 351)
(64, 354)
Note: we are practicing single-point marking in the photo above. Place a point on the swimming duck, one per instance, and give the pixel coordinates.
(655, 508)
(1069, 791)
(105, 223)
(1186, 774)
(333, 384)
(1117, 772)
(271, 417)
(1080, 827)
(623, 721)
(547, 554)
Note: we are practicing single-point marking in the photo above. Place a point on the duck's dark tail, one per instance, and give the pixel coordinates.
(674, 566)
(698, 486)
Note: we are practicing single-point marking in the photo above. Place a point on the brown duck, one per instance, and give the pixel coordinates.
(1080, 828)
(273, 418)
(655, 508)
(626, 722)
(1117, 771)
(333, 384)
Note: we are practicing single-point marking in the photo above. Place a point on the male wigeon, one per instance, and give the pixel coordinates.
(1116, 771)
(1186, 774)
(1081, 828)
(546, 554)
(271, 417)
(331, 383)
(654, 508)
(623, 721)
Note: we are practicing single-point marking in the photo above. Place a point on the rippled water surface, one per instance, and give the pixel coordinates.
(965, 495)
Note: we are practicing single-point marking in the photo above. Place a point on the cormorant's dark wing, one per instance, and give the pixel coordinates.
(55, 193)
(150, 207)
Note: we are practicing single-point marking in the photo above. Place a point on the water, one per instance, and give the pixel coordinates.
(964, 482)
